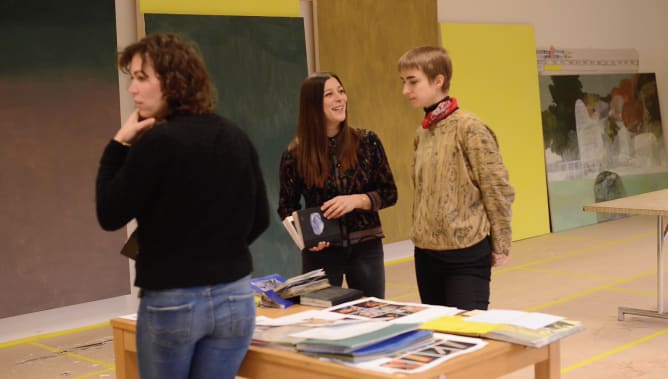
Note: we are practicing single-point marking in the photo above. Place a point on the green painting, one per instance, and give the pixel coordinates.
(258, 65)
(603, 140)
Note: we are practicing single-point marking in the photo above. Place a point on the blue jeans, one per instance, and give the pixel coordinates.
(196, 333)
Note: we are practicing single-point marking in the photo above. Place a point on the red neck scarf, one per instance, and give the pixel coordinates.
(442, 110)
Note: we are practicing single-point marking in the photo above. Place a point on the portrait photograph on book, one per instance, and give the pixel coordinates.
(392, 311)
(309, 226)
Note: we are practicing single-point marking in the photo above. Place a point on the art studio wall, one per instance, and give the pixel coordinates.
(257, 75)
(604, 24)
(591, 24)
(59, 107)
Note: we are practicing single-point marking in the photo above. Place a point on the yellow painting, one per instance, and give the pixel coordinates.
(495, 76)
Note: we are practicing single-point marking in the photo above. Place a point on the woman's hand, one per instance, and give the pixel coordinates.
(499, 259)
(341, 205)
(320, 246)
(133, 128)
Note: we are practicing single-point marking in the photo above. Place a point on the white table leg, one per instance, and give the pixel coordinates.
(659, 313)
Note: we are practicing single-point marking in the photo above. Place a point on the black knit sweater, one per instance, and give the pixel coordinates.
(195, 186)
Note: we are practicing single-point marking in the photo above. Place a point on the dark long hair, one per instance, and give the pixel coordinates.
(180, 68)
(310, 146)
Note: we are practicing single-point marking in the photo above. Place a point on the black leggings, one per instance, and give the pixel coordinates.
(455, 278)
(362, 264)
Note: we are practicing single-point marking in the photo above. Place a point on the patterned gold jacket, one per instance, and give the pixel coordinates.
(462, 192)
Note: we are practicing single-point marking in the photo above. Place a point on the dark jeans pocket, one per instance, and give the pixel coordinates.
(170, 326)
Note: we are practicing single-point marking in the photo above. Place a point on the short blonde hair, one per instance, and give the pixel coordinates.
(432, 60)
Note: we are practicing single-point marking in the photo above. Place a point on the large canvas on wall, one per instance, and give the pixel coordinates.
(257, 65)
(514, 116)
(368, 68)
(603, 139)
(59, 107)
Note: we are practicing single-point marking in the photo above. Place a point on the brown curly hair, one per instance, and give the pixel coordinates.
(180, 67)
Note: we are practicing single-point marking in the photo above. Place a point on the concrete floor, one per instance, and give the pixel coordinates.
(583, 274)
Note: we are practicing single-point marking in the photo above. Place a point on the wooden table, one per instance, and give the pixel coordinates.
(494, 360)
(651, 204)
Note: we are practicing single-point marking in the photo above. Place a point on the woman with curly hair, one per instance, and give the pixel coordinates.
(192, 180)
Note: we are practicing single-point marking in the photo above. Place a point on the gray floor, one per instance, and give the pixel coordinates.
(583, 274)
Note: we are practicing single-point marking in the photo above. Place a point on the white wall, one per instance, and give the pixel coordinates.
(607, 24)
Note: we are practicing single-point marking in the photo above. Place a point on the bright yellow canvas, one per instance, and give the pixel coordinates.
(459, 325)
(495, 76)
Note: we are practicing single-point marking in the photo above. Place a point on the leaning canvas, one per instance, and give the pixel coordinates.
(603, 139)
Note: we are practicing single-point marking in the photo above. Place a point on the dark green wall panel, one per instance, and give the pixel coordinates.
(258, 64)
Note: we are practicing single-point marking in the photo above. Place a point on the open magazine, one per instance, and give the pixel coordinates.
(531, 329)
(278, 292)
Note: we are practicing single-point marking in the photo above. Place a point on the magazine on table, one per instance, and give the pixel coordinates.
(287, 331)
(278, 292)
(531, 329)
(405, 342)
(442, 348)
(347, 339)
(392, 311)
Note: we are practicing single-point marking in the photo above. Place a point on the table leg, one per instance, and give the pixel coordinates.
(549, 369)
(659, 313)
(659, 264)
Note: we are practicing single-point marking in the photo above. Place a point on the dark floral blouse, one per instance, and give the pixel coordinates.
(372, 176)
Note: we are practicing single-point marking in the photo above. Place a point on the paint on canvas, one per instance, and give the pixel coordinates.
(603, 139)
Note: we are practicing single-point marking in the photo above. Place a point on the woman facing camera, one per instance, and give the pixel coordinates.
(345, 172)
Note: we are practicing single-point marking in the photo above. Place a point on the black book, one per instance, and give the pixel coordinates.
(131, 247)
(330, 296)
(308, 226)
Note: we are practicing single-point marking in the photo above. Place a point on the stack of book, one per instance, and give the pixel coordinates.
(393, 337)
(382, 345)
(531, 329)
(363, 340)
(330, 296)
(277, 292)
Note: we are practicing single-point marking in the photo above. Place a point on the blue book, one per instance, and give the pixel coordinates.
(402, 343)
(265, 286)
(265, 283)
(357, 342)
(394, 344)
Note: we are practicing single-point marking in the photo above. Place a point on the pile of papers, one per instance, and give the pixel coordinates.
(394, 337)
(373, 343)
(277, 292)
(533, 329)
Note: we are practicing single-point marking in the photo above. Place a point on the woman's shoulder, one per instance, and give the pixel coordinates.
(472, 128)
(466, 119)
(365, 135)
